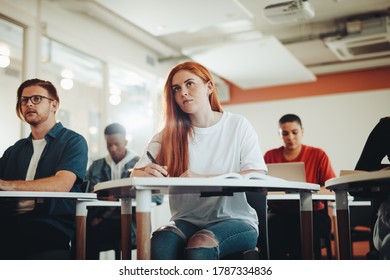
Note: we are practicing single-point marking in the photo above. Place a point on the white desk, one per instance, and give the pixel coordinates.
(142, 188)
(81, 210)
(375, 182)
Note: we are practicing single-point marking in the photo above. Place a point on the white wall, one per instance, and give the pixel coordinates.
(339, 124)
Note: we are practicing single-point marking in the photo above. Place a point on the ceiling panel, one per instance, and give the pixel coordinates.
(171, 16)
(260, 63)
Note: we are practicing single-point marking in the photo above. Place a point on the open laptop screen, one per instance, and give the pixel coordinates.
(292, 171)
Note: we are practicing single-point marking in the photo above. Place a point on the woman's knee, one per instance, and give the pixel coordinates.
(169, 230)
(203, 238)
(168, 242)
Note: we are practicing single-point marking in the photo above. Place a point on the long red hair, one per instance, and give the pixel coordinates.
(178, 126)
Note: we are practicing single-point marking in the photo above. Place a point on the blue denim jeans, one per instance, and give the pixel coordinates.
(233, 236)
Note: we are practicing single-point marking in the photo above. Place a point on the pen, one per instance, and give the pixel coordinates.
(153, 160)
(151, 157)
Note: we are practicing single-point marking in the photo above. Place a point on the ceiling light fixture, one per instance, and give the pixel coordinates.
(4, 61)
(67, 79)
(66, 84)
(4, 56)
(115, 99)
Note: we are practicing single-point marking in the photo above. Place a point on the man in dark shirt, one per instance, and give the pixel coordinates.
(52, 158)
(103, 224)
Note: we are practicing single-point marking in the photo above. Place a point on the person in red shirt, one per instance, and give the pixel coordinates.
(283, 221)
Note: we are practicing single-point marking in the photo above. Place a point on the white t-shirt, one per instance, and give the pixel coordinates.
(25, 205)
(38, 146)
(117, 168)
(231, 145)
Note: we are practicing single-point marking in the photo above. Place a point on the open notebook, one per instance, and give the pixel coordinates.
(248, 176)
(292, 171)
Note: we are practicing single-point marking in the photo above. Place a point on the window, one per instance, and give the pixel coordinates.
(11, 63)
(79, 82)
(131, 102)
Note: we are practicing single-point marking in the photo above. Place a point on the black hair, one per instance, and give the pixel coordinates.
(115, 128)
(290, 118)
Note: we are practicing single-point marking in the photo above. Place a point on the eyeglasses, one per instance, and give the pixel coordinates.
(35, 99)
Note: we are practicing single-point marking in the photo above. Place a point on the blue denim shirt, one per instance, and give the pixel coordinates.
(64, 150)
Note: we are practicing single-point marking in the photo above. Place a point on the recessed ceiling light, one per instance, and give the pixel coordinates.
(4, 61)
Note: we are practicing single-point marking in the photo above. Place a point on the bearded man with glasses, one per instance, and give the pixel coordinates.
(51, 158)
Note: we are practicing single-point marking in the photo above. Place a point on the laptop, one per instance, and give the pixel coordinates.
(291, 171)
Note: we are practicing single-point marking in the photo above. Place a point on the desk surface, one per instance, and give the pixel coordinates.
(366, 177)
(190, 185)
(33, 194)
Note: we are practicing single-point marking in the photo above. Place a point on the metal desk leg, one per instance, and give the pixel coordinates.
(263, 221)
(143, 198)
(306, 211)
(126, 213)
(81, 222)
(335, 231)
(343, 227)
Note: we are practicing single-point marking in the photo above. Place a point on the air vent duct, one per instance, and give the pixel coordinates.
(372, 39)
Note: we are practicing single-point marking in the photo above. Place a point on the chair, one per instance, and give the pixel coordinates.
(114, 224)
(86, 186)
(325, 241)
(116, 246)
(324, 238)
(257, 201)
(362, 219)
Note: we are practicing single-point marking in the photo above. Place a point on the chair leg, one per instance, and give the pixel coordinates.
(329, 254)
(117, 253)
(317, 251)
(251, 255)
(324, 243)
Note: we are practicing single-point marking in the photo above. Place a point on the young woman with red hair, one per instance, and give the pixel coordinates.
(200, 140)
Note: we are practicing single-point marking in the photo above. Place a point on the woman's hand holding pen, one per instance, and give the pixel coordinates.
(154, 168)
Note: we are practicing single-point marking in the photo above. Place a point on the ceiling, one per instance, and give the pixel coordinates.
(234, 38)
